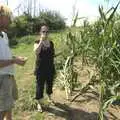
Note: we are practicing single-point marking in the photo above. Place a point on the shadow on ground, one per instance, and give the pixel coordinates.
(68, 113)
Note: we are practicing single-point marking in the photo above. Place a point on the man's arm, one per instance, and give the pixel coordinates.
(18, 60)
(5, 63)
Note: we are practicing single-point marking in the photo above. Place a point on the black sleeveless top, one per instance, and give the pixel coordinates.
(45, 59)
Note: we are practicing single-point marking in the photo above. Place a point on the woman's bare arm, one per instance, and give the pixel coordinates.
(37, 47)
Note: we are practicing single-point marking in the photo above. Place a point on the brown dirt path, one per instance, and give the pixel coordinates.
(84, 108)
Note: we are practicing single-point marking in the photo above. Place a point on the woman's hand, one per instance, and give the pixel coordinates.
(37, 46)
(43, 37)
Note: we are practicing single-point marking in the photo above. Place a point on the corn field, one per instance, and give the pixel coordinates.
(97, 44)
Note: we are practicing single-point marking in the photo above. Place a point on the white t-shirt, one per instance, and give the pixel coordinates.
(5, 54)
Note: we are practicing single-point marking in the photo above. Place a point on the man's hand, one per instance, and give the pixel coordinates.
(20, 60)
(16, 60)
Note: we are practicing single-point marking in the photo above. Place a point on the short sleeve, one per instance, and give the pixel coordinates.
(5, 52)
(5, 37)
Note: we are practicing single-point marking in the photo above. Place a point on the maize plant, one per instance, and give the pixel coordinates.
(107, 58)
(68, 74)
(100, 46)
(77, 43)
(97, 44)
(103, 49)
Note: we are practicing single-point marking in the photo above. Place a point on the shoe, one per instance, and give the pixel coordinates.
(39, 108)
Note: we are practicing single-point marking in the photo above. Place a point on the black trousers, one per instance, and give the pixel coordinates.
(41, 81)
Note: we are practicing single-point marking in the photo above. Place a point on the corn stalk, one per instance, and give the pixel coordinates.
(68, 75)
(97, 44)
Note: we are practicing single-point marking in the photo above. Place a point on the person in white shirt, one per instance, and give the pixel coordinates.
(8, 89)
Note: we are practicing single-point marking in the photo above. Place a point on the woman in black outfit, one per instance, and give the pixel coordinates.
(44, 70)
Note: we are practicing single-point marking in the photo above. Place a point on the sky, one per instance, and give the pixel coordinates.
(86, 8)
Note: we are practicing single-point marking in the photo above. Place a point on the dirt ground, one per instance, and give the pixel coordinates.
(85, 107)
